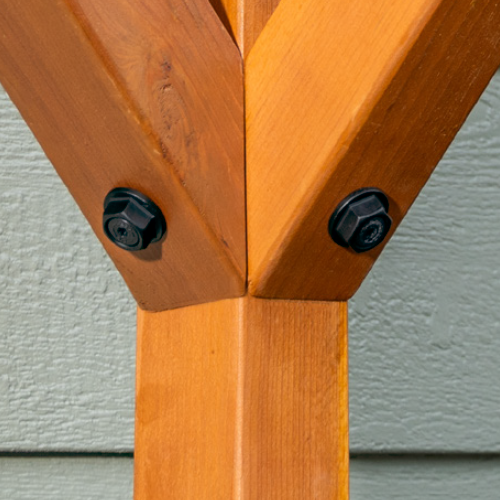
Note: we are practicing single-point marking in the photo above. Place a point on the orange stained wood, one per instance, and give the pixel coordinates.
(245, 19)
(147, 95)
(242, 399)
(342, 95)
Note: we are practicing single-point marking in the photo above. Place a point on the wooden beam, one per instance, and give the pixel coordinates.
(147, 95)
(342, 95)
(245, 19)
(242, 398)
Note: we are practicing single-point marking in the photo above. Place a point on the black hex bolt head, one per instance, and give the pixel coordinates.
(361, 221)
(131, 220)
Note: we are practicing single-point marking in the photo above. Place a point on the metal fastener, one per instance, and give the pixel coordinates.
(361, 221)
(131, 220)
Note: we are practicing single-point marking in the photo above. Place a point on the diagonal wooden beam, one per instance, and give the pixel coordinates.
(146, 95)
(342, 95)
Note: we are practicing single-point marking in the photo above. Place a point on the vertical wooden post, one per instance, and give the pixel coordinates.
(243, 399)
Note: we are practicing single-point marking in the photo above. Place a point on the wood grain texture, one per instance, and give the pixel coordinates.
(149, 97)
(344, 95)
(245, 19)
(243, 398)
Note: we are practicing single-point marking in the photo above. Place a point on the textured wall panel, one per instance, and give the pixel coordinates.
(67, 322)
(376, 478)
(466, 478)
(66, 478)
(425, 327)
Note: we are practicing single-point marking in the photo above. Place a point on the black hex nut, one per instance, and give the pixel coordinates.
(131, 220)
(361, 221)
